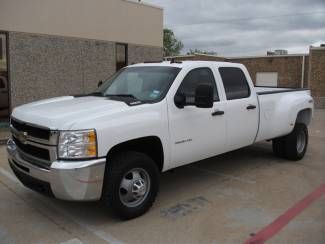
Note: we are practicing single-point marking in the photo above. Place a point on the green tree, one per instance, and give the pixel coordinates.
(194, 51)
(172, 46)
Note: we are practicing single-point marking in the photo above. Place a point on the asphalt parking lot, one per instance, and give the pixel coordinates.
(226, 199)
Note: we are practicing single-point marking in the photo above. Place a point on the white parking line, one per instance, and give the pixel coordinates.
(9, 175)
(72, 241)
(230, 177)
(93, 229)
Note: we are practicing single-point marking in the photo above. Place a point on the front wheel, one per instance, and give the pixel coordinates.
(131, 184)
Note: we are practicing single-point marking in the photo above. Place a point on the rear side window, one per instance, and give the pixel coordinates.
(234, 82)
(194, 78)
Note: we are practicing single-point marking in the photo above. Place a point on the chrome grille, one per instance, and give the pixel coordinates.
(35, 151)
(33, 131)
(35, 144)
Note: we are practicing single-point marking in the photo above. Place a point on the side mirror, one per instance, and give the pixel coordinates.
(100, 83)
(180, 100)
(204, 96)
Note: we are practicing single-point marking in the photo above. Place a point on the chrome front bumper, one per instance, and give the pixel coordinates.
(68, 180)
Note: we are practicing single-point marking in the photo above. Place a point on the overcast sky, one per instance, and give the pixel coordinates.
(251, 27)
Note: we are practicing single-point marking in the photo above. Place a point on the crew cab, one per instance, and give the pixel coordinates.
(112, 144)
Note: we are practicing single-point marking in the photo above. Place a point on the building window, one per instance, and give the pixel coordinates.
(267, 79)
(3, 58)
(121, 55)
(234, 82)
(3, 83)
(1, 50)
(4, 92)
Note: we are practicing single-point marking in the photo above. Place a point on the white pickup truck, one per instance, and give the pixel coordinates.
(112, 145)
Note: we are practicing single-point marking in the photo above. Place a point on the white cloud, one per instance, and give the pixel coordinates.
(236, 27)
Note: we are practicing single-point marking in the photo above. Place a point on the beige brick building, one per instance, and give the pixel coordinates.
(292, 70)
(53, 48)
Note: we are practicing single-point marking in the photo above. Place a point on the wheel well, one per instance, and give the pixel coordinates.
(150, 146)
(304, 116)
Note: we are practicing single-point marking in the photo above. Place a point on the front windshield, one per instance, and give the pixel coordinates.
(149, 83)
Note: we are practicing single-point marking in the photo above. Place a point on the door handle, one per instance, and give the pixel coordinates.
(250, 106)
(217, 112)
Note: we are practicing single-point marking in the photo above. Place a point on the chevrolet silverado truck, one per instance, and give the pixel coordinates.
(113, 144)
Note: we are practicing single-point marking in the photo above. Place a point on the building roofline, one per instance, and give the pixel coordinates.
(244, 57)
(144, 4)
(269, 56)
(194, 55)
(317, 48)
(180, 56)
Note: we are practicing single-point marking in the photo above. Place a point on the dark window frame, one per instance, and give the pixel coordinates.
(246, 82)
(3, 85)
(214, 82)
(1, 49)
(6, 33)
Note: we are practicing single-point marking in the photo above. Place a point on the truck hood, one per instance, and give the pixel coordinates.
(62, 113)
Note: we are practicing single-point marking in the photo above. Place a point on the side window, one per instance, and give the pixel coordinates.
(194, 78)
(234, 82)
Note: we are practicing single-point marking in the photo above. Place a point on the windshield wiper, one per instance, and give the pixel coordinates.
(96, 94)
(99, 94)
(121, 95)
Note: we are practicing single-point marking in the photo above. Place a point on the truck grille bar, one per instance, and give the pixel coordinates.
(31, 130)
(35, 144)
(32, 150)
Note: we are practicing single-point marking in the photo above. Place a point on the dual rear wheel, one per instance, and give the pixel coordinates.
(294, 145)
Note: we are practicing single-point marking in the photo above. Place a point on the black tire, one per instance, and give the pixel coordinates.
(116, 171)
(278, 146)
(295, 146)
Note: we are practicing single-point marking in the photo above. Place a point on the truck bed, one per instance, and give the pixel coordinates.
(273, 110)
(262, 90)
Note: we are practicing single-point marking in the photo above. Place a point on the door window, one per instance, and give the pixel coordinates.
(234, 82)
(194, 78)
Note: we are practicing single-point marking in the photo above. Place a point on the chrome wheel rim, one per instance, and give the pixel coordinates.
(134, 187)
(301, 142)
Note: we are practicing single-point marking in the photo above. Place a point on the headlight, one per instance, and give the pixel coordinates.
(77, 144)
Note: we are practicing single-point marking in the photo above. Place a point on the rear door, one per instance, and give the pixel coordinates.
(241, 108)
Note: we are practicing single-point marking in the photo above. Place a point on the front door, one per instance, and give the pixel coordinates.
(196, 133)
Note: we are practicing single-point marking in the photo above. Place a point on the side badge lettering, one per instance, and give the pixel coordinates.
(183, 141)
